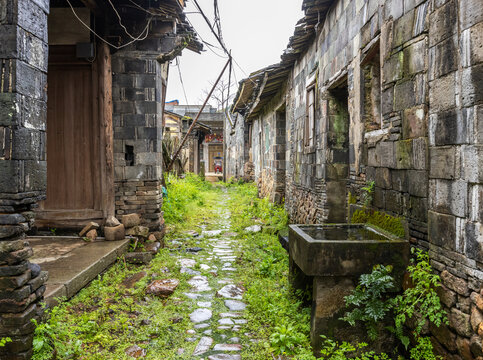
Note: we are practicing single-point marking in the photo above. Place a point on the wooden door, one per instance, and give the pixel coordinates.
(73, 148)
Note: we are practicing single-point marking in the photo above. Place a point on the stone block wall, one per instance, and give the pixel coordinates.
(455, 214)
(23, 170)
(143, 198)
(137, 99)
(407, 76)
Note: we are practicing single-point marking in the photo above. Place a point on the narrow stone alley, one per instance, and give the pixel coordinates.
(218, 309)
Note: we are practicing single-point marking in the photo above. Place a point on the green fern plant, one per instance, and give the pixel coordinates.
(369, 299)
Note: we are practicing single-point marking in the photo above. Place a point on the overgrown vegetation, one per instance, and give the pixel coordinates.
(277, 317)
(371, 303)
(184, 197)
(107, 317)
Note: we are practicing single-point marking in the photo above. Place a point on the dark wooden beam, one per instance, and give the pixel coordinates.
(92, 6)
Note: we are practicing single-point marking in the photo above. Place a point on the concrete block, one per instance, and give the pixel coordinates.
(28, 144)
(472, 85)
(449, 197)
(393, 68)
(450, 128)
(404, 154)
(478, 124)
(472, 163)
(387, 100)
(32, 18)
(442, 160)
(385, 150)
(444, 57)
(403, 29)
(443, 23)
(475, 206)
(471, 12)
(415, 58)
(394, 9)
(442, 230)
(415, 122)
(442, 93)
(418, 209)
(420, 153)
(399, 180)
(124, 133)
(404, 95)
(383, 178)
(114, 233)
(473, 241)
(35, 175)
(418, 183)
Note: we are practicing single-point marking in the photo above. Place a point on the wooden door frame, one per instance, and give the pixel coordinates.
(102, 111)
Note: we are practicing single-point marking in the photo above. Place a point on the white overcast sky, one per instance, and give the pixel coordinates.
(257, 32)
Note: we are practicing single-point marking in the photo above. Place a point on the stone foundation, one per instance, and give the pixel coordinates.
(141, 197)
(21, 283)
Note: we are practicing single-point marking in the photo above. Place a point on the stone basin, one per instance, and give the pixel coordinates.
(345, 249)
(328, 261)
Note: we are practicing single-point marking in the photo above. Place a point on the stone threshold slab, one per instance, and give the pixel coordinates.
(73, 263)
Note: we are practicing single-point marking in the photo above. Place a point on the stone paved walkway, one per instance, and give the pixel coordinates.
(218, 310)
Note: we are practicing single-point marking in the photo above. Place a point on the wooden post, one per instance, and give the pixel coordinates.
(107, 137)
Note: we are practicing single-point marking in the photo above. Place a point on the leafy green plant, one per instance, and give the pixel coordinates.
(4, 341)
(53, 231)
(367, 193)
(332, 350)
(369, 299)
(285, 339)
(420, 300)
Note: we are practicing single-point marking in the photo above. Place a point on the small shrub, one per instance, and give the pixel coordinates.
(370, 299)
(332, 350)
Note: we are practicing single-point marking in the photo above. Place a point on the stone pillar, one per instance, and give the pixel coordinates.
(23, 108)
(137, 99)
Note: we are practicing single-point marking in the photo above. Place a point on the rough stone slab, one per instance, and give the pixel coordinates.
(235, 305)
(203, 346)
(230, 292)
(224, 357)
(227, 347)
(73, 270)
(201, 315)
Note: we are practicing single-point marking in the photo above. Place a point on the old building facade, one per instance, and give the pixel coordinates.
(105, 80)
(390, 92)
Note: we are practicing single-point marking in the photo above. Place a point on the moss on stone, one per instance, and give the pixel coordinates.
(391, 224)
(352, 198)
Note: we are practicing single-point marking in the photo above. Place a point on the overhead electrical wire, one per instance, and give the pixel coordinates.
(141, 36)
(181, 80)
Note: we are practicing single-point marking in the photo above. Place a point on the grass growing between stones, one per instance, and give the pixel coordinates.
(277, 318)
(106, 318)
(111, 316)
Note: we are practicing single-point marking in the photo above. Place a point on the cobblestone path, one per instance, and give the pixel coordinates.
(218, 311)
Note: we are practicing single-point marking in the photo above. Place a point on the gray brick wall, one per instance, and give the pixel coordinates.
(137, 98)
(23, 75)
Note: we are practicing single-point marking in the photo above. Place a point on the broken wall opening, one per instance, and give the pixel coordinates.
(337, 166)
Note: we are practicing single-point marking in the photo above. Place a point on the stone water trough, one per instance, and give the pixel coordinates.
(328, 259)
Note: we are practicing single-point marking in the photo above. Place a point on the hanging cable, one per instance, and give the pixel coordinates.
(141, 36)
(181, 80)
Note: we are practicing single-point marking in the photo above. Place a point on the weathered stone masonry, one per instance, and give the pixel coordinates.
(398, 102)
(23, 80)
(137, 98)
